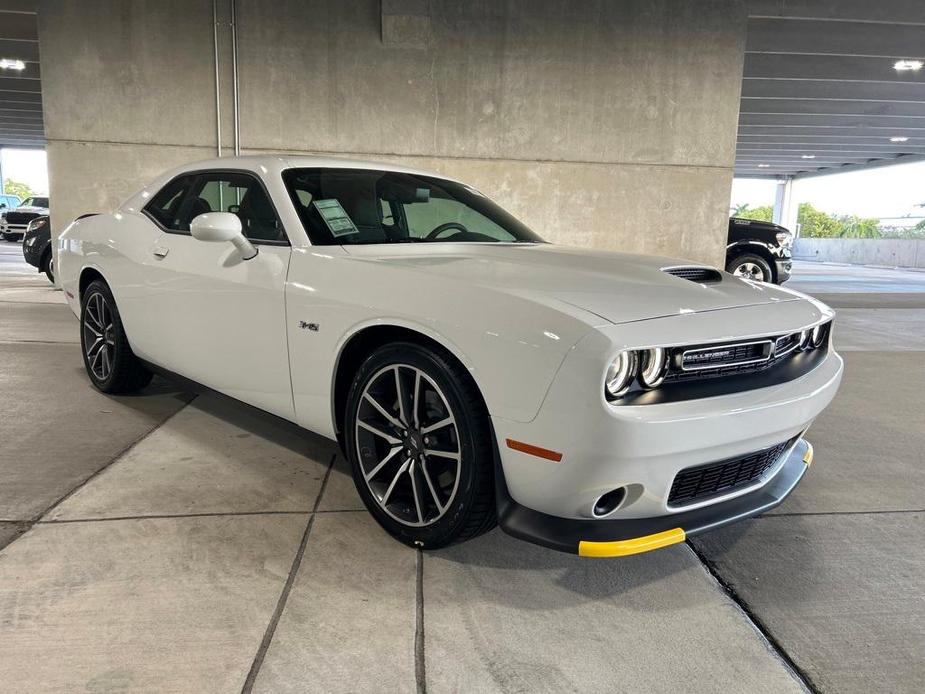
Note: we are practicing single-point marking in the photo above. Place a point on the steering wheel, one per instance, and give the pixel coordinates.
(443, 227)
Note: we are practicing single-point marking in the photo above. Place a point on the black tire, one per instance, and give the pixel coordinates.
(446, 391)
(749, 266)
(103, 342)
(46, 266)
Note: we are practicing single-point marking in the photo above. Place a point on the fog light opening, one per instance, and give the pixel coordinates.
(608, 503)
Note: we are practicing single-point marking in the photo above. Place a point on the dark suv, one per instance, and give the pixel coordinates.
(36, 246)
(759, 250)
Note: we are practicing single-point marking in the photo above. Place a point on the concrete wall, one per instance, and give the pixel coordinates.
(884, 252)
(602, 123)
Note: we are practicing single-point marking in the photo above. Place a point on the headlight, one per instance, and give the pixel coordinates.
(785, 239)
(654, 367)
(621, 373)
(805, 339)
(818, 335)
(36, 224)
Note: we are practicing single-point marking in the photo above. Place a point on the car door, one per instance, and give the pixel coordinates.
(220, 320)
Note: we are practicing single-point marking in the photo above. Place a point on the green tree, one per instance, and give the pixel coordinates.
(817, 224)
(11, 187)
(854, 227)
(764, 213)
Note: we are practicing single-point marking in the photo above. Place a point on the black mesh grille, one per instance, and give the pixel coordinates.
(705, 481)
(785, 348)
(20, 217)
(695, 274)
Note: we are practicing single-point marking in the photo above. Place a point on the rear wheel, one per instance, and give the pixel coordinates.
(751, 267)
(108, 358)
(419, 444)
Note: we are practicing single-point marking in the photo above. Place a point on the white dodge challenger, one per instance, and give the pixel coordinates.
(596, 403)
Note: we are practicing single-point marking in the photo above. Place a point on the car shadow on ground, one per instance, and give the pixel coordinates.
(509, 561)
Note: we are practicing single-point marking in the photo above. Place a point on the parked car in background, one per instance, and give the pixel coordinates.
(36, 246)
(596, 403)
(8, 202)
(13, 222)
(759, 250)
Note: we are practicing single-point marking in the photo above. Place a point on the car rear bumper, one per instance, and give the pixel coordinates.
(622, 537)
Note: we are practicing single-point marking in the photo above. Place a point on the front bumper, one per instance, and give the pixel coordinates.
(643, 447)
(784, 269)
(32, 252)
(622, 537)
(13, 230)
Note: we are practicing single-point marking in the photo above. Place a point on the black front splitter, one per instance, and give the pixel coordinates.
(614, 538)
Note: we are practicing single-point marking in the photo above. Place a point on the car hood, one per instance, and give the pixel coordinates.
(617, 287)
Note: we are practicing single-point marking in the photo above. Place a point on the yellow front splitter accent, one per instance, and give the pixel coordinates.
(622, 548)
(808, 456)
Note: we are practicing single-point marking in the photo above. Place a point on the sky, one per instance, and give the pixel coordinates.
(883, 192)
(27, 166)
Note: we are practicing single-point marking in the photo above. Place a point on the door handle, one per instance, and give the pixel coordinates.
(160, 251)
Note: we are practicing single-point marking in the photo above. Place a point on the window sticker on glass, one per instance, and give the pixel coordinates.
(335, 217)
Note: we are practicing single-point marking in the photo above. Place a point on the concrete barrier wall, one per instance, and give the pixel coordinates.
(887, 252)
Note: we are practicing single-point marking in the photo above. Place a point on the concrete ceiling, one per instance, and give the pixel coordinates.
(819, 82)
(20, 91)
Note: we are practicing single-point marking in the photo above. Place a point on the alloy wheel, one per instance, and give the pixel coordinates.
(750, 271)
(99, 338)
(408, 445)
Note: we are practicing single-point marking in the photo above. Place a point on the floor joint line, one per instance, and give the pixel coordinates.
(287, 588)
(773, 645)
(35, 519)
(420, 669)
(168, 516)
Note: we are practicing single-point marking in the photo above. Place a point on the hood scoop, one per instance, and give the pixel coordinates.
(695, 273)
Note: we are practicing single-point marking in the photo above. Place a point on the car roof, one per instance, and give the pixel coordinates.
(267, 163)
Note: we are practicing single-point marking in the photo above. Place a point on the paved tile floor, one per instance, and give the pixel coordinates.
(182, 542)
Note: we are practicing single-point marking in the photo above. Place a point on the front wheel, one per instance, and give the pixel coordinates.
(108, 358)
(751, 267)
(48, 267)
(419, 443)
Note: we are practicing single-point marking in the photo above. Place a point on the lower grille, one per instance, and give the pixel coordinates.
(706, 481)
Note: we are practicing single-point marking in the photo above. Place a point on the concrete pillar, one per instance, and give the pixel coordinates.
(785, 205)
(604, 124)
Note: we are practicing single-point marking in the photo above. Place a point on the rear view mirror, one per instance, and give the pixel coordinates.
(222, 227)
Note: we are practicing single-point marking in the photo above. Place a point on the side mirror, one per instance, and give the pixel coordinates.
(222, 227)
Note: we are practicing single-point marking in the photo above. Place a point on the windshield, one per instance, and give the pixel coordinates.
(35, 202)
(359, 206)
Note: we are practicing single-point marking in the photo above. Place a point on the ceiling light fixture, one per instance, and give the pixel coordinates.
(10, 64)
(808, 156)
(763, 166)
(899, 138)
(908, 65)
